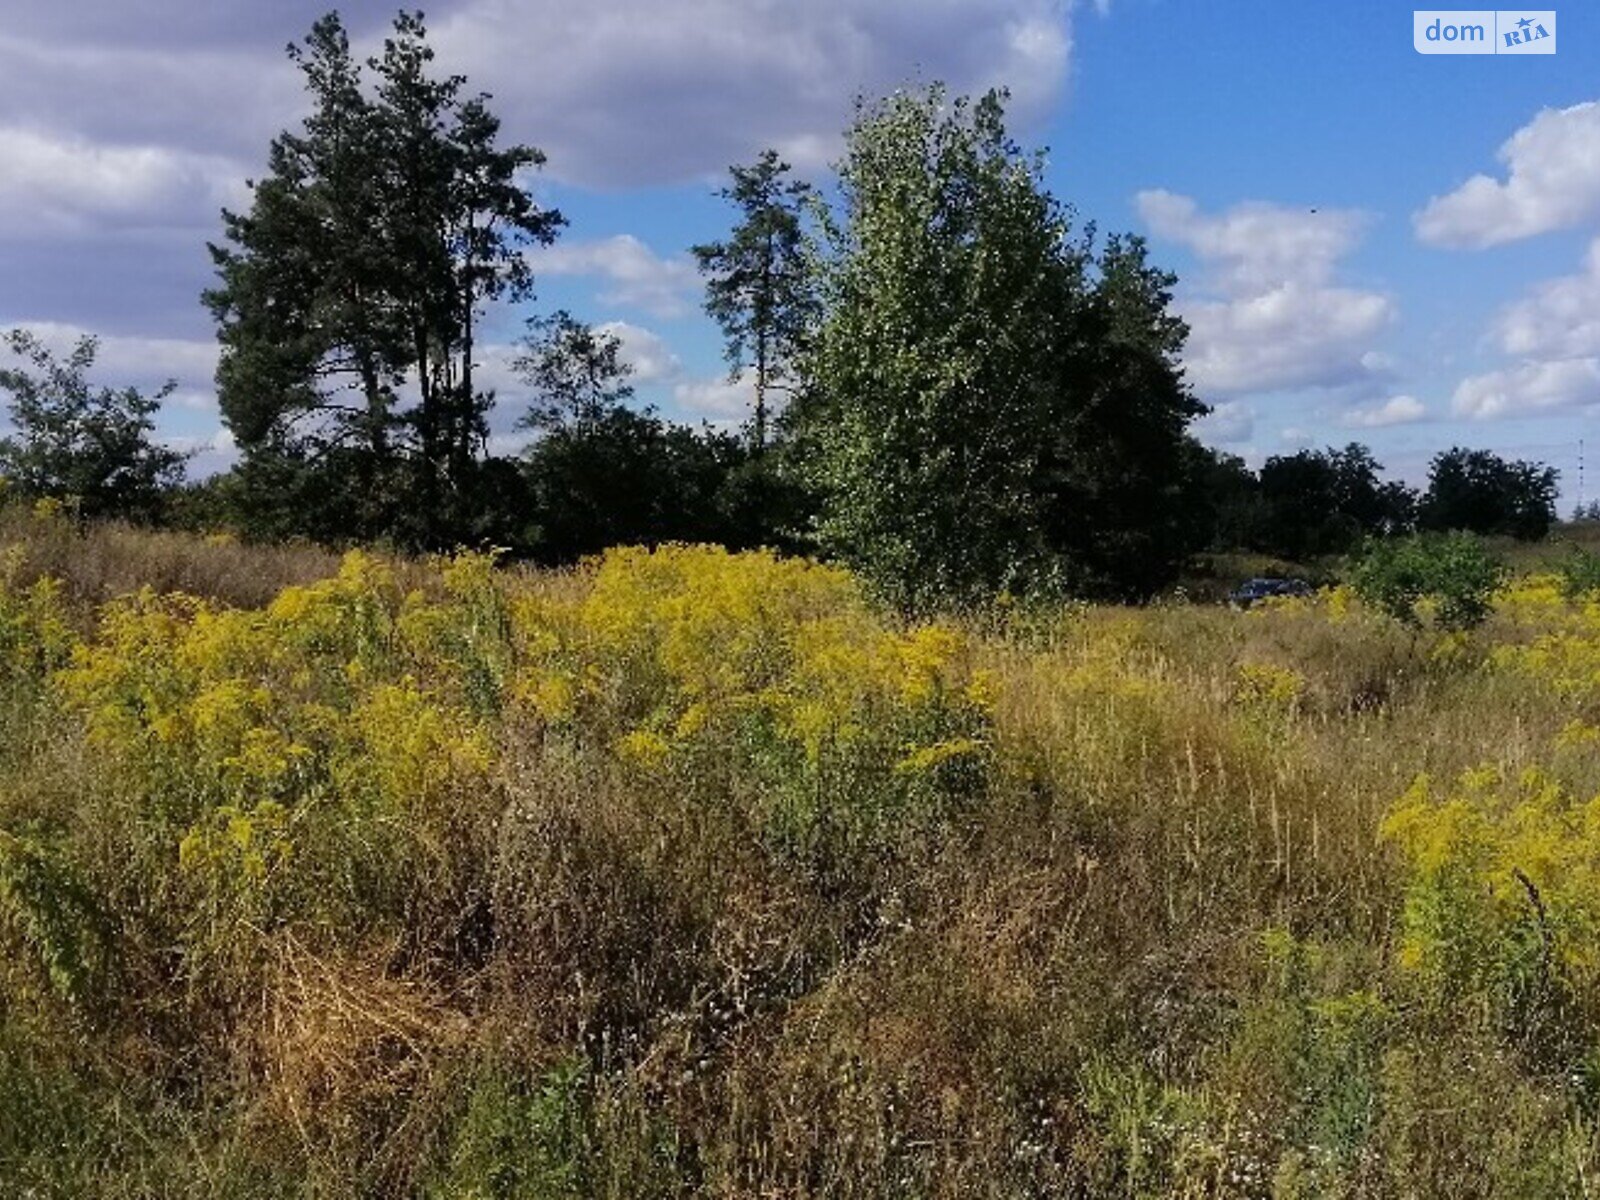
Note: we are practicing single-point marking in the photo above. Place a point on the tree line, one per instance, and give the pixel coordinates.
(1317, 503)
(957, 389)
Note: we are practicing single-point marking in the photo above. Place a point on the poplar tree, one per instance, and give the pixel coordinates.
(995, 403)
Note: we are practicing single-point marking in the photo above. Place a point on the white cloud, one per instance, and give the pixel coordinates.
(1269, 316)
(1559, 318)
(637, 277)
(625, 92)
(1552, 182)
(219, 441)
(1397, 410)
(56, 184)
(511, 443)
(207, 454)
(1555, 331)
(1530, 388)
(645, 351)
(1293, 336)
(721, 401)
(1255, 246)
(172, 91)
(142, 362)
(641, 91)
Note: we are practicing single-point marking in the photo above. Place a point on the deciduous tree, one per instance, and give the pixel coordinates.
(1479, 491)
(996, 403)
(73, 440)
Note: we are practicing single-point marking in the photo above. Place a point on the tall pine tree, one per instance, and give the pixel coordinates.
(759, 286)
(349, 294)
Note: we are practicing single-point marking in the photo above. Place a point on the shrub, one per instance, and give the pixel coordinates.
(1580, 574)
(1452, 577)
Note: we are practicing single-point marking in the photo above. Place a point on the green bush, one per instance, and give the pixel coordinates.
(1452, 576)
(1580, 574)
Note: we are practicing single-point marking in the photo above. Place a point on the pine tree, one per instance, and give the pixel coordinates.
(760, 284)
(350, 292)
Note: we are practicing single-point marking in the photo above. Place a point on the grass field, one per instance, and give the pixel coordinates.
(689, 873)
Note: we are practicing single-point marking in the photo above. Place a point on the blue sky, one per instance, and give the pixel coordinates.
(1373, 244)
(1330, 107)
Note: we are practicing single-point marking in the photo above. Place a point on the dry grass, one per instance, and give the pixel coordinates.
(98, 562)
(1149, 944)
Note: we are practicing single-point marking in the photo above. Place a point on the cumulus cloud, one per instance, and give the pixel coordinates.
(1552, 181)
(1559, 318)
(206, 453)
(1397, 410)
(1529, 389)
(639, 91)
(66, 184)
(143, 362)
(183, 94)
(621, 93)
(1554, 330)
(219, 441)
(721, 401)
(1255, 246)
(647, 352)
(1269, 315)
(634, 275)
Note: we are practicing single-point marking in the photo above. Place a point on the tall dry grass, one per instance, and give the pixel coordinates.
(690, 874)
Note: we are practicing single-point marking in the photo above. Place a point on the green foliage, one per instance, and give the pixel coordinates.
(376, 236)
(577, 373)
(602, 474)
(58, 917)
(521, 1143)
(1580, 574)
(1324, 502)
(625, 478)
(1452, 576)
(72, 441)
(1479, 491)
(993, 405)
(35, 638)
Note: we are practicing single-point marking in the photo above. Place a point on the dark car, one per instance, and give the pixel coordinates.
(1253, 590)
